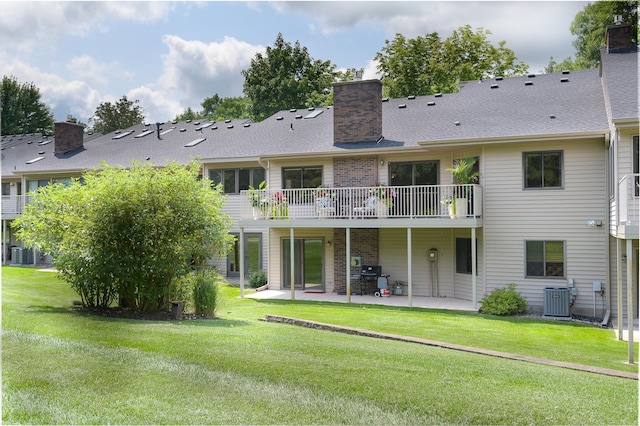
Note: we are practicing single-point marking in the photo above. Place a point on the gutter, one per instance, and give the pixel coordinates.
(516, 139)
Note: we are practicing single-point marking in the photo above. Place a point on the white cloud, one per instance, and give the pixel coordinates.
(156, 105)
(194, 70)
(30, 25)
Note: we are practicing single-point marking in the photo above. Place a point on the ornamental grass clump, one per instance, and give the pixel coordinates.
(504, 302)
(206, 295)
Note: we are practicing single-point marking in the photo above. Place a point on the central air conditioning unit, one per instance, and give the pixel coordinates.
(556, 302)
(21, 256)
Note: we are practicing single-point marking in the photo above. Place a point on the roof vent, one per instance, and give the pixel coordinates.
(438, 95)
(298, 116)
(531, 76)
(565, 72)
(385, 99)
(431, 103)
(552, 116)
(564, 80)
(214, 128)
(247, 125)
(28, 143)
(291, 128)
(146, 124)
(402, 106)
(188, 121)
(183, 130)
(227, 121)
(494, 86)
(457, 123)
(230, 126)
(310, 109)
(528, 83)
(197, 123)
(278, 118)
(41, 153)
(411, 97)
(499, 78)
(292, 110)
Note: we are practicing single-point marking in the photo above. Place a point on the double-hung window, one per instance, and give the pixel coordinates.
(545, 259)
(235, 180)
(542, 169)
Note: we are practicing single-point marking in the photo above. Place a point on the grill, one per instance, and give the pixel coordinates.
(369, 274)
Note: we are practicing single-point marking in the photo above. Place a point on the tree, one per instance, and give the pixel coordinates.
(119, 115)
(566, 64)
(189, 114)
(284, 77)
(22, 109)
(590, 25)
(426, 64)
(127, 233)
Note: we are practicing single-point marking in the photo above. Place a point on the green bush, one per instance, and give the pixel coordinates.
(504, 301)
(206, 297)
(258, 279)
(182, 289)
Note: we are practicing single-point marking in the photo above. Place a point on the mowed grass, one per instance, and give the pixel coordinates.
(61, 366)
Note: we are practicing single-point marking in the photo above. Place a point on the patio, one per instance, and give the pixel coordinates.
(402, 301)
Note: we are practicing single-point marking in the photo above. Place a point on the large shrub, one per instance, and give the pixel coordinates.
(127, 233)
(504, 301)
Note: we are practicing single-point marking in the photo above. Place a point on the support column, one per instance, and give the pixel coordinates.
(619, 286)
(630, 298)
(474, 270)
(348, 261)
(4, 242)
(241, 255)
(409, 268)
(292, 247)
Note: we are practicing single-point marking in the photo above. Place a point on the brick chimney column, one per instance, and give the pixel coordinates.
(69, 136)
(619, 38)
(357, 111)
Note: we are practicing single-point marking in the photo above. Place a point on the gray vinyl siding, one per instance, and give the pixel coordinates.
(514, 215)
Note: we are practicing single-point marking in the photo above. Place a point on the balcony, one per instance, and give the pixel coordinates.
(12, 205)
(422, 202)
(626, 208)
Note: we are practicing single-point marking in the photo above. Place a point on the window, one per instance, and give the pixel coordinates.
(6, 188)
(463, 256)
(545, 259)
(235, 180)
(543, 169)
(406, 174)
(301, 177)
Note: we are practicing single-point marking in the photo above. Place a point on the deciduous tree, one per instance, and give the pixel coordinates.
(426, 64)
(284, 77)
(127, 233)
(22, 108)
(119, 115)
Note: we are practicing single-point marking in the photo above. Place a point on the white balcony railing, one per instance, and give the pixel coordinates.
(13, 204)
(423, 201)
(628, 200)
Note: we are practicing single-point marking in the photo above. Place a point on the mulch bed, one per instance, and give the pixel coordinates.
(126, 313)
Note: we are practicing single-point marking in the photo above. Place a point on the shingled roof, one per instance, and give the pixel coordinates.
(536, 106)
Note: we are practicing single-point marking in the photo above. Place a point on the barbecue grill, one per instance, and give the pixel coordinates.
(368, 275)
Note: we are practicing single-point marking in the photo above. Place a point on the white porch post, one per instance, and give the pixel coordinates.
(241, 254)
(292, 256)
(474, 270)
(4, 242)
(630, 262)
(619, 286)
(409, 267)
(348, 261)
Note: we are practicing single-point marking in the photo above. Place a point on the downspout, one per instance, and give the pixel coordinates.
(607, 235)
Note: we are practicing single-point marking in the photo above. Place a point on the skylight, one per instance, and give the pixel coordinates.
(44, 142)
(204, 126)
(143, 134)
(167, 131)
(313, 114)
(122, 135)
(34, 160)
(195, 142)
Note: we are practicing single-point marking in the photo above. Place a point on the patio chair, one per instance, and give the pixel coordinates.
(368, 209)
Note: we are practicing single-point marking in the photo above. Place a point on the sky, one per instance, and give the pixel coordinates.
(173, 55)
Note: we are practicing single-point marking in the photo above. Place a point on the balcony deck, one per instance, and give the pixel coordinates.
(625, 210)
(437, 206)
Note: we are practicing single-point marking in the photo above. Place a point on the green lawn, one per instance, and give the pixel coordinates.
(60, 366)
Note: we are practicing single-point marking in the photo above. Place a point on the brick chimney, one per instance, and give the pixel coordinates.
(619, 37)
(69, 136)
(357, 111)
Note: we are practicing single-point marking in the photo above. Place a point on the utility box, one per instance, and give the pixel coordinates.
(556, 302)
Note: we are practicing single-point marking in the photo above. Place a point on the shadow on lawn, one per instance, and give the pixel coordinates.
(100, 315)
